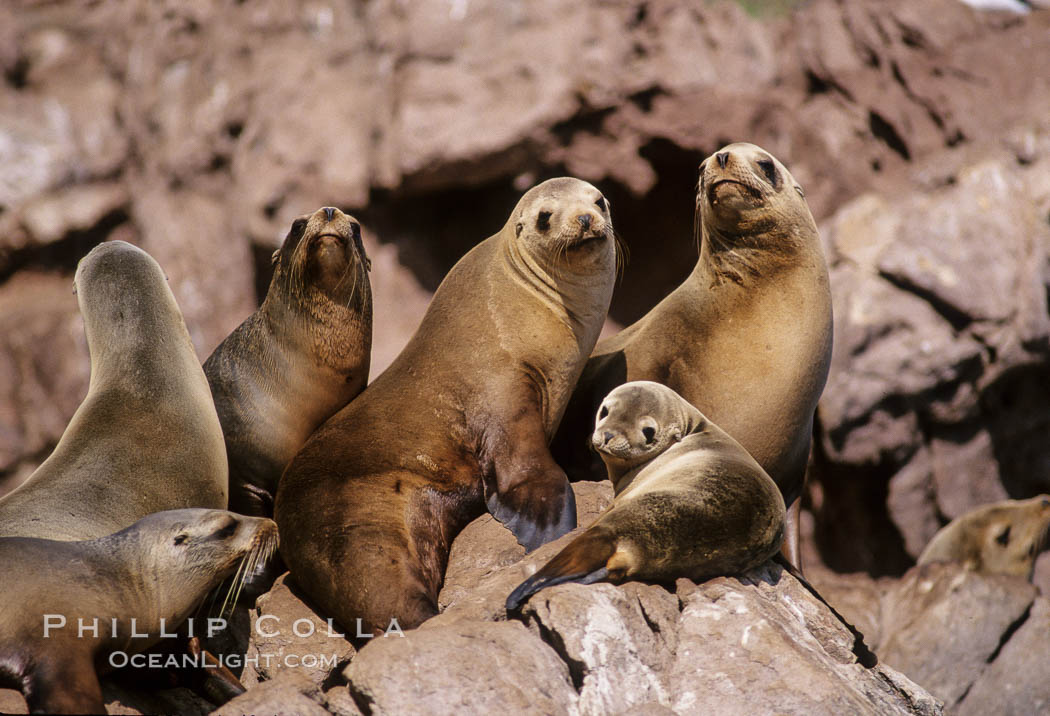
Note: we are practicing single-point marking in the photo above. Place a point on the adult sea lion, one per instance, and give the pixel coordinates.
(73, 604)
(746, 338)
(298, 359)
(461, 419)
(146, 438)
(1001, 538)
(689, 500)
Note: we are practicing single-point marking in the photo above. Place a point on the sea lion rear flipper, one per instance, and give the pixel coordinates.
(583, 561)
(531, 495)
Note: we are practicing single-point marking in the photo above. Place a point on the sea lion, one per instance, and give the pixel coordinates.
(298, 359)
(76, 603)
(146, 438)
(1001, 538)
(460, 420)
(689, 500)
(746, 338)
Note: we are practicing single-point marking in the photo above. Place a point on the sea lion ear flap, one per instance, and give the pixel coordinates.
(275, 257)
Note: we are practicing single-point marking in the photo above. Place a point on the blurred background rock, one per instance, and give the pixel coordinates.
(921, 131)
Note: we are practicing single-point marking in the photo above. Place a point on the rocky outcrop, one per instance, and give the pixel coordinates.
(936, 399)
(973, 640)
(759, 643)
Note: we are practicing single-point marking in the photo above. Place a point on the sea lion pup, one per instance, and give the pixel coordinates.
(690, 501)
(461, 419)
(146, 438)
(74, 604)
(298, 359)
(746, 338)
(1001, 538)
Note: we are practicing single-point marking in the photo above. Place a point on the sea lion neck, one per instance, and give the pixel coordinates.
(575, 298)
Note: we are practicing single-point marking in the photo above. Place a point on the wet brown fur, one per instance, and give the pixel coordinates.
(369, 507)
(746, 338)
(297, 360)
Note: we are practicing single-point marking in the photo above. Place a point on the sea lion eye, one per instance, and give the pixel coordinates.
(543, 221)
(180, 539)
(770, 170)
(600, 203)
(650, 435)
(800, 191)
(355, 231)
(603, 413)
(297, 226)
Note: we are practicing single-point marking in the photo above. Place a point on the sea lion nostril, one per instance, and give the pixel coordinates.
(649, 434)
(329, 213)
(585, 220)
(723, 159)
(608, 437)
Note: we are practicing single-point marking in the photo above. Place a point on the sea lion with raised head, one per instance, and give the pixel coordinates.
(746, 338)
(298, 359)
(74, 604)
(689, 500)
(461, 419)
(1001, 538)
(146, 438)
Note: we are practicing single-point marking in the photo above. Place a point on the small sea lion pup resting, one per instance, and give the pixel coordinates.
(746, 338)
(73, 604)
(1001, 538)
(690, 501)
(369, 507)
(146, 438)
(298, 359)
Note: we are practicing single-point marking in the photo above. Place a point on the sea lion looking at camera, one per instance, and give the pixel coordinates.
(76, 603)
(146, 438)
(690, 501)
(1001, 538)
(461, 419)
(746, 338)
(298, 359)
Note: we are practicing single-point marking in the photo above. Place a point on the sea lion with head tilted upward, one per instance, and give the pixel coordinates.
(298, 359)
(746, 338)
(146, 438)
(461, 420)
(1001, 538)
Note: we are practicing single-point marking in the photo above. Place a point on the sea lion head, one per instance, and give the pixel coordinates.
(1001, 538)
(323, 251)
(189, 552)
(565, 224)
(747, 201)
(128, 309)
(638, 421)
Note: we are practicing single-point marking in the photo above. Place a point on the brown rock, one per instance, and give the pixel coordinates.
(1017, 682)
(609, 639)
(780, 651)
(467, 667)
(290, 692)
(942, 624)
(287, 635)
(44, 367)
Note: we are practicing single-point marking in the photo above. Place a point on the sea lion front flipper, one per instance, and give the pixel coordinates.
(582, 561)
(538, 507)
(530, 494)
(64, 684)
